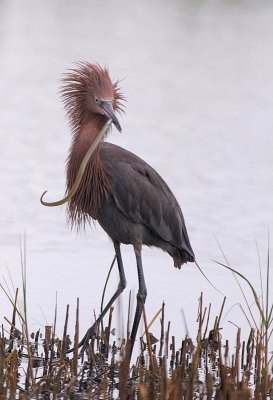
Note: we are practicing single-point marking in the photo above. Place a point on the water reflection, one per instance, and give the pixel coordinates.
(199, 85)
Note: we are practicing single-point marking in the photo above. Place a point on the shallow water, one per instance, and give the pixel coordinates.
(199, 84)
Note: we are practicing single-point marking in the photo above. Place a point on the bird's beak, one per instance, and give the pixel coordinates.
(107, 107)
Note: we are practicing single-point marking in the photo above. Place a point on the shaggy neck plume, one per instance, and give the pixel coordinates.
(82, 86)
(94, 186)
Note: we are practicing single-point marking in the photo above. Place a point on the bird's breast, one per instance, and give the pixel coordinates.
(92, 191)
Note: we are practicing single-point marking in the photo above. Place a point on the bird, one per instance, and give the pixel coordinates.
(119, 190)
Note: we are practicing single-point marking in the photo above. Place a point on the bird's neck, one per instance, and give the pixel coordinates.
(86, 135)
(94, 184)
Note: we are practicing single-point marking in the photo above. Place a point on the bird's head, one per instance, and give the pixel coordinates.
(88, 90)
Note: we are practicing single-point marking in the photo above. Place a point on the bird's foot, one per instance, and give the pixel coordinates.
(85, 340)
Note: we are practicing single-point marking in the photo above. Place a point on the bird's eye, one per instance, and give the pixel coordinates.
(96, 100)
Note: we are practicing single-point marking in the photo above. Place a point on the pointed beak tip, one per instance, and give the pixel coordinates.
(115, 121)
(108, 109)
(119, 128)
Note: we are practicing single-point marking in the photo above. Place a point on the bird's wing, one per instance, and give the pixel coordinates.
(143, 197)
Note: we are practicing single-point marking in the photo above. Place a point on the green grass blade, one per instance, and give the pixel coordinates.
(251, 287)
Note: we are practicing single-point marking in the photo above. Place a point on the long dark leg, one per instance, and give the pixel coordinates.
(121, 286)
(141, 297)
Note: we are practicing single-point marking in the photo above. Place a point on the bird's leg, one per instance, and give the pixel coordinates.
(141, 297)
(121, 286)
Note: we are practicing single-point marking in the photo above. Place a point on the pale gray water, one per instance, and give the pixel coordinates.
(199, 84)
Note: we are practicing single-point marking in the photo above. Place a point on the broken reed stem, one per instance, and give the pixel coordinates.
(152, 321)
(236, 375)
(226, 355)
(208, 317)
(222, 370)
(48, 329)
(217, 320)
(200, 309)
(167, 340)
(194, 367)
(221, 312)
(148, 338)
(243, 355)
(76, 342)
(162, 330)
(53, 338)
(2, 363)
(29, 376)
(64, 341)
(12, 327)
(124, 369)
(108, 331)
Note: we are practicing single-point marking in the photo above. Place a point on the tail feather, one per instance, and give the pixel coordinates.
(181, 256)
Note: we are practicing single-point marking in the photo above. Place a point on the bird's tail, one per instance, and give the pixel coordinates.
(181, 256)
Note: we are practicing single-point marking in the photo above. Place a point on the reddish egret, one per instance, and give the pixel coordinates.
(122, 192)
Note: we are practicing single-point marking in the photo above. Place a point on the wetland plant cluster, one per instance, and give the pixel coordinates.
(37, 366)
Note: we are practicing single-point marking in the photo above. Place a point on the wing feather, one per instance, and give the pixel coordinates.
(143, 197)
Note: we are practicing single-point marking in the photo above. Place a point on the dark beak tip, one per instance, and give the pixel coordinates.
(108, 109)
(119, 128)
(115, 121)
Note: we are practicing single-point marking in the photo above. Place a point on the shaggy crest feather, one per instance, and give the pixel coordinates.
(82, 82)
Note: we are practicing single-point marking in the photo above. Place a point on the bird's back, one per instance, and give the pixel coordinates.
(141, 207)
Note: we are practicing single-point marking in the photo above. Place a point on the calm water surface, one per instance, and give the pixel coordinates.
(199, 84)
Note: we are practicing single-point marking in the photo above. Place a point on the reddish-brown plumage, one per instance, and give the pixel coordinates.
(80, 85)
